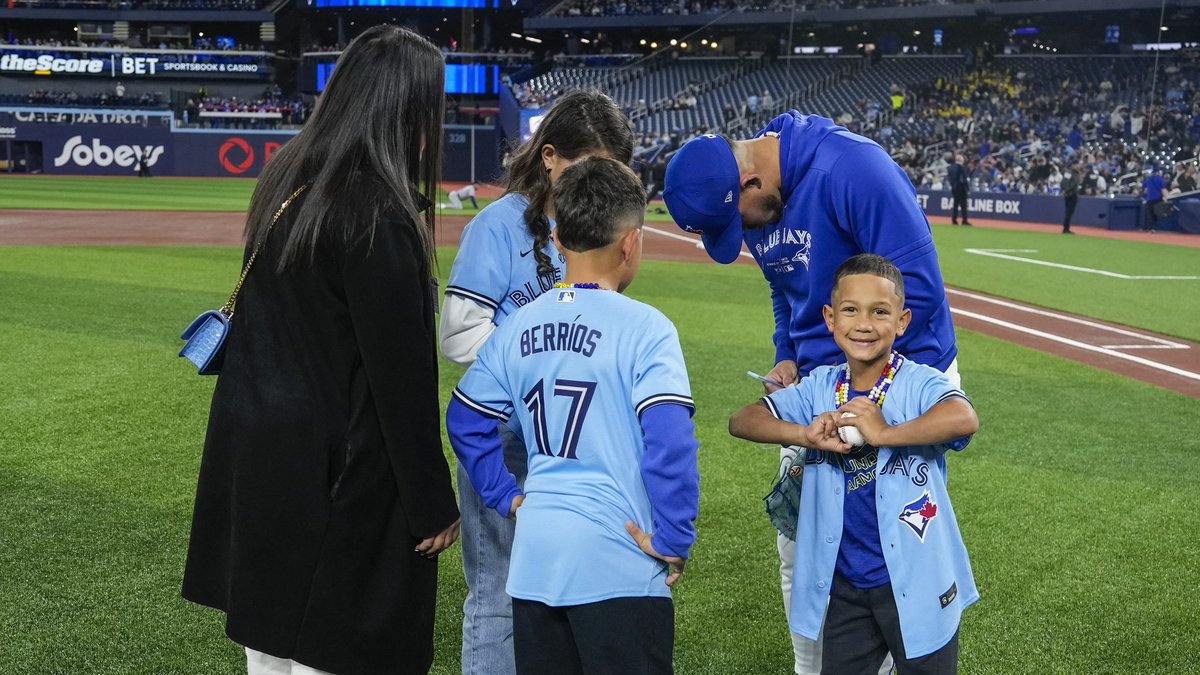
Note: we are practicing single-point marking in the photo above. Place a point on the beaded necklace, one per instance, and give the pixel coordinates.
(879, 391)
(562, 285)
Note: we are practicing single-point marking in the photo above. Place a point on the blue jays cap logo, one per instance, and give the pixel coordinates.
(917, 515)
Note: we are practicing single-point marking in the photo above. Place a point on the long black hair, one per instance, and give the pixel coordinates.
(373, 141)
(582, 122)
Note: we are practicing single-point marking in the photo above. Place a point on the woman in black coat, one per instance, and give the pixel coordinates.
(324, 496)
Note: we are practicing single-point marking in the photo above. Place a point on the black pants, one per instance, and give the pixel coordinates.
(960, 202)
(861, 627)
(1071, 201)
(1152, 213)
(622, 636)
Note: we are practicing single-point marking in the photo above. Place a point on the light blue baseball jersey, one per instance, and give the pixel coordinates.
(926, 559)
(577, 368)
(495, 265)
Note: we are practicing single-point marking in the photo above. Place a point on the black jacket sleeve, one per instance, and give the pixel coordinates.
(390, 298)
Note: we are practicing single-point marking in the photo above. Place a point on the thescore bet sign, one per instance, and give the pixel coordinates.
(114, 66)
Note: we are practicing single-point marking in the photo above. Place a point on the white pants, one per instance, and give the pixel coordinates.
(808, 652)
(258, 663)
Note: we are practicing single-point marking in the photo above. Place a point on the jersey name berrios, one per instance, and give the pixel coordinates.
(577, 368)
(501, 270)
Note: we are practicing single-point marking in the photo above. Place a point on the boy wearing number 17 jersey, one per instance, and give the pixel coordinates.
(599, 387)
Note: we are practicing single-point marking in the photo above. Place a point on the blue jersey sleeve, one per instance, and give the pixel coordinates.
(660, 375)
(934, 389)
(793, 404)
(672, 477)
(785, 349)
(483, 266)
(479, 404)
(877, 201)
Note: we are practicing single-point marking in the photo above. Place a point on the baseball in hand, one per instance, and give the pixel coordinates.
(851, 435)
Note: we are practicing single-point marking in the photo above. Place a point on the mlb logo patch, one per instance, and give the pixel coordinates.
(566, 296)
(917, 515)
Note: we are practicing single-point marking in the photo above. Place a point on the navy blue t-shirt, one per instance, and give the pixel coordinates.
(860, 557)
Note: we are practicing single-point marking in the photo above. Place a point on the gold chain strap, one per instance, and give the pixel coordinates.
(227, 310)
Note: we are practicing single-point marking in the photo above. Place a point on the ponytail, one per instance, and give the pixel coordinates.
(584, 121)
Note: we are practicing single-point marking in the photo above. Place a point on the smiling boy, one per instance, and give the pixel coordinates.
(882, 566)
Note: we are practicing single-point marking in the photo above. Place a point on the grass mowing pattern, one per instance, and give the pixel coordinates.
(1164, 306)
(132, 194)
(1080, 533)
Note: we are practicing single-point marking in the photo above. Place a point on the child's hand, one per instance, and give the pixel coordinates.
(868, 419)
(822, 434)
(644, 542)
(516, 504)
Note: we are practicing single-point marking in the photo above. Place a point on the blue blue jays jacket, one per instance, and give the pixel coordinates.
(926, 560)
(843, 195)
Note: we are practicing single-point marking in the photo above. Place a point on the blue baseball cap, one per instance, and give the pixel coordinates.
(701, 192)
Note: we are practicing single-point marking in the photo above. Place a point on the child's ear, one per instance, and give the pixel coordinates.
(629, 242)
(548, 155)
(905, 318)
(554, 237)
(827, 312)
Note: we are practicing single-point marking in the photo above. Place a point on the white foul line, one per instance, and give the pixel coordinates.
(1080, 345)
(996, 253)
(684, 237)
(1166, 344)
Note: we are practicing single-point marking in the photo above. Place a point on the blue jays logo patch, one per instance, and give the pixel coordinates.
(917, 515)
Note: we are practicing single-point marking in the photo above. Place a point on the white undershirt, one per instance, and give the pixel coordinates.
(466, 325)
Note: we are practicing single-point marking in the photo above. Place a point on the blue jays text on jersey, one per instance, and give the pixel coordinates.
(502, 275)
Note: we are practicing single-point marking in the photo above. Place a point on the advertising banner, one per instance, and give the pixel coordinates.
(50, 62)
(1116, 213)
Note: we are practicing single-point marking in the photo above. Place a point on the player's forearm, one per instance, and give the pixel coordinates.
(756, 423)
(476, 442)
(948, 421)
(672, 477)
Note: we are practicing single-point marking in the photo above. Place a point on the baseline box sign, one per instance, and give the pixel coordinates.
(124, 64)
(1033, 208)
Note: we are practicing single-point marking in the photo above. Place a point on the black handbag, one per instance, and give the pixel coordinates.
(206, 335)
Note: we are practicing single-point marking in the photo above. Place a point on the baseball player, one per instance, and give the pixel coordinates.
(598, 383)
(804, 196)
(506, 260)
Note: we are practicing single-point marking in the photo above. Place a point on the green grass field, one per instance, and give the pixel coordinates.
(1076, 500)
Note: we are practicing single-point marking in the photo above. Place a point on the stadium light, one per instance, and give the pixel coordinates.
(713, 45)
(704, 41)
(1163, 28)
(585, 41)
(643, 42)
(683, 45)
(533, 40)
(517, 35)
(653, 45)
(674, 42)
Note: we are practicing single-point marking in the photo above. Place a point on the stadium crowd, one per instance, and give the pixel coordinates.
(1018, 134)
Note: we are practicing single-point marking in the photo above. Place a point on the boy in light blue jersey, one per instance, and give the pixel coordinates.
(505, 260)
(880, 564)
(598, 385)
